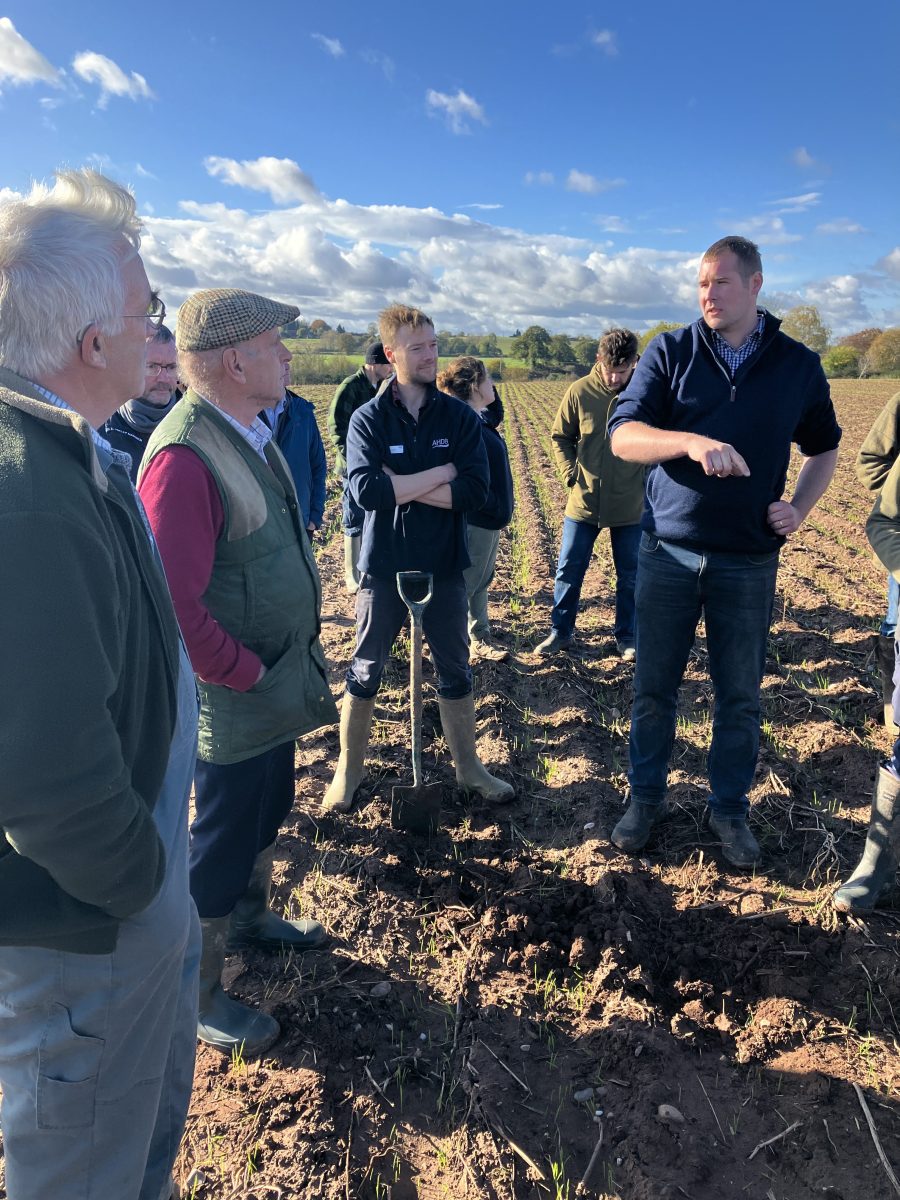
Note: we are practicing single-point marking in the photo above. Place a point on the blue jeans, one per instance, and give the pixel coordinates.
(889, 624)
(734, 592)
(578, 539)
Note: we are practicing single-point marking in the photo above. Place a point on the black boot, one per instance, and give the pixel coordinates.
(253, 924)
(884, 656)
(633, 831)
(224, 1022)
(875, 871)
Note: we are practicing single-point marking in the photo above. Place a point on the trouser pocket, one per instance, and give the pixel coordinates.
(68, 1072)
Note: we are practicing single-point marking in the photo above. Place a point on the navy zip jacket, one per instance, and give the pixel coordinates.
(299, 440)
(778, 396)
(497, 510)
(414, 536)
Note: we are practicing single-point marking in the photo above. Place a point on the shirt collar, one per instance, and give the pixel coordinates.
(107, 454)
(257, 436)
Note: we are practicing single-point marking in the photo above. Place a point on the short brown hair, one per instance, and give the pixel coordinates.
(395, 317)
(462, 377)
(617, 347)
(745, 251)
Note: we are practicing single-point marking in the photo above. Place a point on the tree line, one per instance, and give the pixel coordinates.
(867, 352)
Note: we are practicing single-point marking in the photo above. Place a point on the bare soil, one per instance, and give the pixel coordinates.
(505, 1009)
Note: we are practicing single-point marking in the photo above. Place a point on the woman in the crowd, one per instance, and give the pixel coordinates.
(468, 380)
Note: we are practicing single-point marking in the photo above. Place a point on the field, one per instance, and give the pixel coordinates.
(503, 1009)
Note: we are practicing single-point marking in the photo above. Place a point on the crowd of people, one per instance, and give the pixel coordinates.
(160, 580)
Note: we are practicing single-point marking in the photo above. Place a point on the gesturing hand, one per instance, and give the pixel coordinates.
(717, 458)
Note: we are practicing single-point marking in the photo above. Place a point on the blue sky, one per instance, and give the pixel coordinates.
(497, 164)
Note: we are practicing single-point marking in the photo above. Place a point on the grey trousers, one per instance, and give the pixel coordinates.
(483, 545)
(97, 1050)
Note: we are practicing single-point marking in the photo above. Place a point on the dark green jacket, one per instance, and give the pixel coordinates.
(264, 590)
(351, 394)
(87, 677)
(603, 490)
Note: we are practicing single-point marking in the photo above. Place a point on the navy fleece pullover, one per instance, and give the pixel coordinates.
(778, 396)
(414, 536)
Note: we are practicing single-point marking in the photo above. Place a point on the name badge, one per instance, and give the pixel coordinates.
(440, 444)
(395, 449)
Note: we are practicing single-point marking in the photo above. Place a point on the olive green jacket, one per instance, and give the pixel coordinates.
(264, 590)
(603, 490)
(878, 469)
(89, 670)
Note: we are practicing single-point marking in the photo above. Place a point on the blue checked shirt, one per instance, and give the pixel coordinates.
(732, 358)
(257, 436)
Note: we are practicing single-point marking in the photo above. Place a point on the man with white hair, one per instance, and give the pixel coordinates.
(98, 935)
(224, 509)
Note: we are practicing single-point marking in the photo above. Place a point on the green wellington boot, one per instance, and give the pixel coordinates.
(875, 871)
(356, 721)
(224, 1022)
(458, 721)
(351, 560)
(254, 925)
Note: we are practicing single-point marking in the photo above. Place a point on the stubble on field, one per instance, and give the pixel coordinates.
(504, 1009)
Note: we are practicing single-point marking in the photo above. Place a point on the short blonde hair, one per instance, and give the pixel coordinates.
(395, 317)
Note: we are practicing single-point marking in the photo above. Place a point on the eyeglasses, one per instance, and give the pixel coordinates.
(155, 314)
(158, 368)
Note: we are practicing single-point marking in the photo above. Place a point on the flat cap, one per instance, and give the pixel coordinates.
(220, 317)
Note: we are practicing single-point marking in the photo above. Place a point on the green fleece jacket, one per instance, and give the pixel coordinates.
(878, 469)
(603, 490)
(88, 675)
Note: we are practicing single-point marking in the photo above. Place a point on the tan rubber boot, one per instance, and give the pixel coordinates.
(356, 721)
(351, 560)
(458, 720)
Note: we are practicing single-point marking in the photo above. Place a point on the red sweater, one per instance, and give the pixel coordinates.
(185, 512)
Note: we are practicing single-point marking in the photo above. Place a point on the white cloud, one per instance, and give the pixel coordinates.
(580, 181)
(458, 110)
(97, 68)
(344, 261)
(481, 207)
(20, 62)
(605, 40)
(890, 264)
(802, 158)
(143, 172)
(285, 182)
(840, 225)
(330, 45)
(376, 58)
(612, 224)
(795, 204)
(766, 230)
(541, 178)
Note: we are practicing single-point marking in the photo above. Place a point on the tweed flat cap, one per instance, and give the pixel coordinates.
(220, 317)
